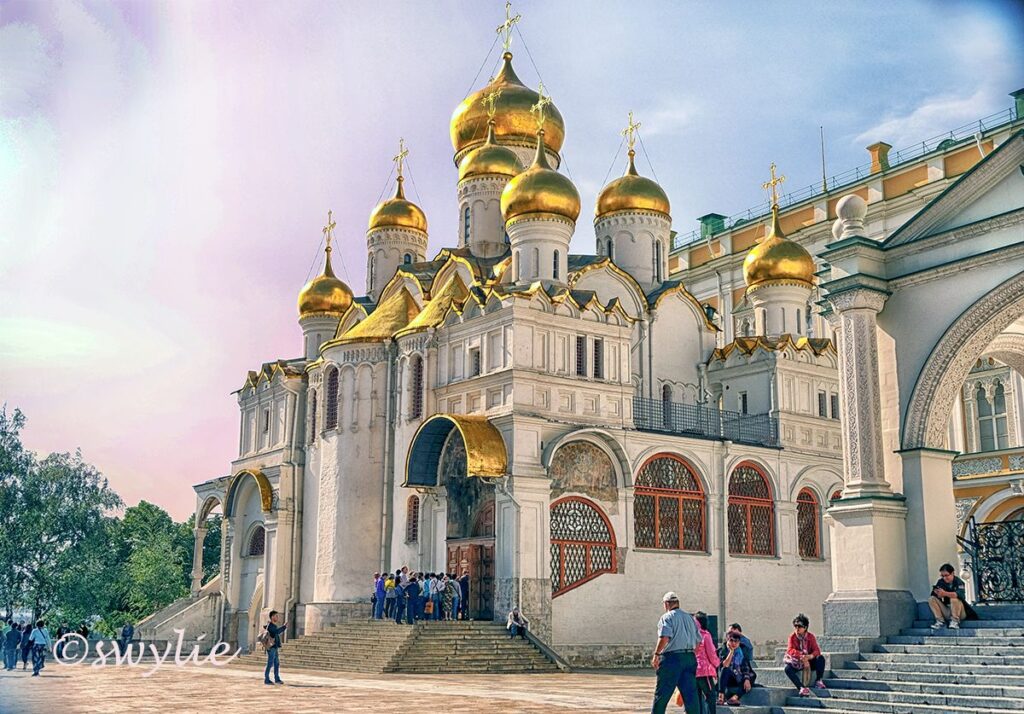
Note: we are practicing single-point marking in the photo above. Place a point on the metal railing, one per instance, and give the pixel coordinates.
(705, 422)
(961, 134)
(996, 555)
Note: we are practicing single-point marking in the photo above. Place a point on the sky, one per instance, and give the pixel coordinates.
(166, 167)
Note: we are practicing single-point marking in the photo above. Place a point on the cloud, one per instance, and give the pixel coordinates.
(935, 116)
(670, 117)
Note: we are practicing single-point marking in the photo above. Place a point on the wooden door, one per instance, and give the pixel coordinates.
(477, 559)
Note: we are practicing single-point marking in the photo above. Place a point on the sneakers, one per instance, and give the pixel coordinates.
(267, 681)
(820, 685)
(805, 692)
(954, 624)
(939, 624)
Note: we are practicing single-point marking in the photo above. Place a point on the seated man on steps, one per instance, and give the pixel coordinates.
(947, 600)
(516, 624)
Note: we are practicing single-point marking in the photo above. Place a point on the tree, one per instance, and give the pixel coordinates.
(15, 462)
(154, 571)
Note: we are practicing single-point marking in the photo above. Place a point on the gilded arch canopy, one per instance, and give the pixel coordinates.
(485, 448)
(262, 482)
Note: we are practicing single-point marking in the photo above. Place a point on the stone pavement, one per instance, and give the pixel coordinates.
(71, 689)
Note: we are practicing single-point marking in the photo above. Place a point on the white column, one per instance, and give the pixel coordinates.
(931, 515)
(197, 560)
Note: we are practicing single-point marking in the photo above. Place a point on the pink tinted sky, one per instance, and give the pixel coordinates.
(165, 168)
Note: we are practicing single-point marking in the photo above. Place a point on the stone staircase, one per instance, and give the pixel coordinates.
(977, 669)
(376, 646)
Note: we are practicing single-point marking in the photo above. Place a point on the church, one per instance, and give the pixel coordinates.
(578, 433)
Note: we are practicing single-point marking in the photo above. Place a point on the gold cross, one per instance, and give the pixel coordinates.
(770, 185)
(329, 229)
(542, 101)
(505, 28)
(630, 132)
(400, 156)
(489, 100)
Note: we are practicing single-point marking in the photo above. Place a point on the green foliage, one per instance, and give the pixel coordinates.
(66, 553)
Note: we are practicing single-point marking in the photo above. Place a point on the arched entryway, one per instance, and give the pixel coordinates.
(458, 456)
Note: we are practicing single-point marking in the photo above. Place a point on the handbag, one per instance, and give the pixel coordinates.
(428, 608)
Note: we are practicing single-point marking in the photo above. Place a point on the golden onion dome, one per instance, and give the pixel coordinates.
(540, 189)
(325, 293)
(398, 212)
(513, 121)
(490, 159)
(778, 260)
(632, 192)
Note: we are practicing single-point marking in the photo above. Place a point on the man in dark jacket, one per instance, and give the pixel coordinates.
(275, 627)
(412, 592)
(127, 633)
(26, 644)
(464, 588)
(12, 640)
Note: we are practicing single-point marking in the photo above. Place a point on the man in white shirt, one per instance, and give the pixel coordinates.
(41, 644)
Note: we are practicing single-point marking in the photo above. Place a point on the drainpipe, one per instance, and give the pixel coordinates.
(298, 467)
(390, 420)
(723, 527)
(502, 486)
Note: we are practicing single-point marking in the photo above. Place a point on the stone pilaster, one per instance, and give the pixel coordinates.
(197, 560)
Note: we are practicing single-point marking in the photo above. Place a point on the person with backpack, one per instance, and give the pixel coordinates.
(41, 644)
(270, 638)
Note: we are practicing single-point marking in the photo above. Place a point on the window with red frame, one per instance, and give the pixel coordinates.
(582, 543)
(836, 495)
(257, 541)
(668, 506)
(751, 512)
(412, 520)
(808, 516)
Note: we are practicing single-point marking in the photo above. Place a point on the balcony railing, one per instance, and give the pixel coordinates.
(989, 463)
(705, 422)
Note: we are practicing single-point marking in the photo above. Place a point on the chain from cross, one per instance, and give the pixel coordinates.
(505, 28)
(329, 229)
(770, 185)
(630, 132)
(490, 101)
(543, 100)
(400, 156)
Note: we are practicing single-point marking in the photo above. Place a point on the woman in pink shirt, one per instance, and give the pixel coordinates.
(803, 653)
(707, 665)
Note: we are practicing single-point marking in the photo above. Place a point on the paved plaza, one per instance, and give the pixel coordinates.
(71, 689)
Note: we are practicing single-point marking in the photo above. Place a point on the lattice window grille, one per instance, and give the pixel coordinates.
(257, 542)
(668, 506)
(331, 402)
(582, 544)
(807, 519)
(751, 513)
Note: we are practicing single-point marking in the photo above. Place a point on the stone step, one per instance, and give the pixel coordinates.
(951, 699)
(961, 648)
(804, 705)
(950, 657)
(928, 678)
(977, 624)
(981, 690)
(934, 668)
(967, 638)
(987, 632)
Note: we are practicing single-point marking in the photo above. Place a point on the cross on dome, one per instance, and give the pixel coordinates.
(400, 156)
(329, 229)
(490, 101)
(543, 100)
(630, 132)
(770, 185)
(505, 28)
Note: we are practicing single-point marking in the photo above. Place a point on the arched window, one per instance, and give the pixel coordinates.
(808, 516)
(799, 321)
(535, 265)
(611, 250)
(416, 385)
(465, 226)
(657, 261)
(257, 542)
(668, 506)
(582, 543)
(407, 259)
(836, 495)
(369, 271)
(515, 266)
(412, 520)
(751, 512)
(331, 402)
(666, 405)
(992, 432)
(312, 416)
(554, 266)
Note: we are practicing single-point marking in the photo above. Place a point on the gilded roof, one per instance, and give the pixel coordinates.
(392, 314)
(632, 192)
(778, 260)
(540, 190)
(486, 456)
(398, 212)
(749, 345)
(454, 290)
(490, 160)
(325, 294)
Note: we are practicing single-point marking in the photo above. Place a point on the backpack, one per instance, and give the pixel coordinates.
(265, 640)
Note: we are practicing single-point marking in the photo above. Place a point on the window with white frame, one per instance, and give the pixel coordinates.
(992, 426)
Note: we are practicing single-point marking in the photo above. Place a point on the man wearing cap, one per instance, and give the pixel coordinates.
(674, 658)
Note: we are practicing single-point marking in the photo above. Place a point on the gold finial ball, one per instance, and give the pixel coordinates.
(778, 261)
(324, 294)
(632, 192)
(514, 124)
